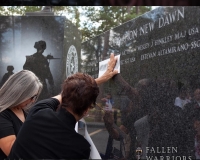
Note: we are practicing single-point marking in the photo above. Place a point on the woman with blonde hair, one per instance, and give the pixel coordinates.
(17, 94)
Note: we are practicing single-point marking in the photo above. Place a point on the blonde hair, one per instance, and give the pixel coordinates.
(18, 88)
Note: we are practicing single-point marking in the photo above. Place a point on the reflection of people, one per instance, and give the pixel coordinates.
(197, 135)
(124, 107)
(125, 133)
(17, 94)
(154, 119)
(166, 127)
(120, 134)
(38, 64)
(181, 100)
(191, 113)
(52, 133)
(7, 75)
(108, 102)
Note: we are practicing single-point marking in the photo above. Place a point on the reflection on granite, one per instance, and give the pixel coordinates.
(159, 57)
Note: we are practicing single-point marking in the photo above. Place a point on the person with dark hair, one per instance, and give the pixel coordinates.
(49, 130)
(38, 64)
(7, 75)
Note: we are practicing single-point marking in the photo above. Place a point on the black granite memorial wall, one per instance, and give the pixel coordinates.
(22, 36)
(159, 57)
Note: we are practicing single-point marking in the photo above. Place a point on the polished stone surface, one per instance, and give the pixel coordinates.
(159, 58)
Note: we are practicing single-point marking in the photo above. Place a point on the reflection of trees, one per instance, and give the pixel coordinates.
(96, 49)
(106, 44)
(182, 66)
(92, 50)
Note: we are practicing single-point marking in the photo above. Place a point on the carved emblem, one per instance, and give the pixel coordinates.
(72, 61)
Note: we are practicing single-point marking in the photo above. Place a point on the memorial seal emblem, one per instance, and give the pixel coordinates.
(72, 61)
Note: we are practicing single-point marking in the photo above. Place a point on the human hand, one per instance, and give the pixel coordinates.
(110, 72)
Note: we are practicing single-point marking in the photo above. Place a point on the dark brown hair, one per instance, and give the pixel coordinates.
(79, 91)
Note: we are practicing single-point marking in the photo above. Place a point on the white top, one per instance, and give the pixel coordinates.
(181, 102)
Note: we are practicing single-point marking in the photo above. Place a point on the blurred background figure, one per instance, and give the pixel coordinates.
(194, 103)
(108, 102)
(7, 75)
(191, 114)
(197, 135)
(182, 99)
(38, 64)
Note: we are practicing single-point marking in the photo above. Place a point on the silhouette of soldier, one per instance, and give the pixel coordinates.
(7, 75)
(38, 64)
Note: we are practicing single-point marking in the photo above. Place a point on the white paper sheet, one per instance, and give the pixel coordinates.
(104, 64)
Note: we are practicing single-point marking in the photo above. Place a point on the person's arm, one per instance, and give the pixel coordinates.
(6, 143)
(110, 72)
(131, 92)
(105, 77)
(109, 121)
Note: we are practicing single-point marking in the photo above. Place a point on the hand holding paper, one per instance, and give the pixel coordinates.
(107, 69)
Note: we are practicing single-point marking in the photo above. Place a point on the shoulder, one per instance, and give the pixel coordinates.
(30, 58)
(177, 98)
(46, 104)
(48, 101)
(6, 114)
(7, 123)
(38, 56)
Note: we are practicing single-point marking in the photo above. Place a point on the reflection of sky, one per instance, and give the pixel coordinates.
(12, 50)
(154, 14)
